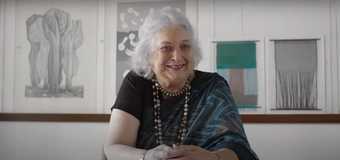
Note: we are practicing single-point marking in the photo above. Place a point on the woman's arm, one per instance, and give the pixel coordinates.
(121, 138)
(191, 152)
(225, 153)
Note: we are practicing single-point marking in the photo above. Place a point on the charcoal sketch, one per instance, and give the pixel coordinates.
(130, 17)
(54, 39)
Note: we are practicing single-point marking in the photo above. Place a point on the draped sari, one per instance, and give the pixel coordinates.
(213, 121)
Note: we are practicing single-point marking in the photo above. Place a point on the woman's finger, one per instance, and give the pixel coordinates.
(176, 153)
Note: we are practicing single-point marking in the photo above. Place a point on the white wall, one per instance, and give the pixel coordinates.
(83, 141)
(295, 141)
(51, 141)
(223, 19)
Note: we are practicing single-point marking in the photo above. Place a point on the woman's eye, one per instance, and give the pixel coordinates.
(185, 47)
(166, 49)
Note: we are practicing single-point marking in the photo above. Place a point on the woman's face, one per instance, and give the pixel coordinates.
(172, 60)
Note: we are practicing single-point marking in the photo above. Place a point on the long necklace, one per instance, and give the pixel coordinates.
(156, 90)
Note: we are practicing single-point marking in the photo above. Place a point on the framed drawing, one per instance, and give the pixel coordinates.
(241, 63)
(130, 16)
(296, 78)
(51, 56)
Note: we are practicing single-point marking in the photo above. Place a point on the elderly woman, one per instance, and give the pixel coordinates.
(167, 110)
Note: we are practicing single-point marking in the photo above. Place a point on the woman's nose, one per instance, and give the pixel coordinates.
(177, 55)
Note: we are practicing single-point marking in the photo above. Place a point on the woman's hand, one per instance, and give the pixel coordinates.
(160, 152)
(190, 152)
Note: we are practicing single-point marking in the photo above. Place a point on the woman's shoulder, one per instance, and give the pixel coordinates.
(204, 79)
(203, 76)
(133, 76)
(134, 81)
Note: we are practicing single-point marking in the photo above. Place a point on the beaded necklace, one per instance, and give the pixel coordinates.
(156, 90)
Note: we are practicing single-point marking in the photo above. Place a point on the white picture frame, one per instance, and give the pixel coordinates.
(2, 24)
(91, 69)
(271, 74)
(260, 64)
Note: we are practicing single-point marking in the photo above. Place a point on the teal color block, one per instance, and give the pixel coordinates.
(236, 55)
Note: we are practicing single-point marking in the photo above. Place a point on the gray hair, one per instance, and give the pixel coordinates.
(153, 23)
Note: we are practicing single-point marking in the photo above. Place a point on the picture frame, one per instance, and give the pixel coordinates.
(260, 70)
(271, 74)
(62, 75)
(2, 50)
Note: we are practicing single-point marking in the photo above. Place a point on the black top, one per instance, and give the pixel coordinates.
(213, 119)
(135, 94)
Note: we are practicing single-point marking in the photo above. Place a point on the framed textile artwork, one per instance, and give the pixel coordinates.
(236, 62)
(297, 80)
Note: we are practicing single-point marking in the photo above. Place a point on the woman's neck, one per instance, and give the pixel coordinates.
(172, 87)
(175, 85)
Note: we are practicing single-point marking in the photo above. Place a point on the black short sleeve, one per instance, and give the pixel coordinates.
(130, 95)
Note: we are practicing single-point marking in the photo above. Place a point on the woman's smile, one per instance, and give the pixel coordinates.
(175, 67)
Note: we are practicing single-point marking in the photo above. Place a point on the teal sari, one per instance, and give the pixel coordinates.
(214, 121)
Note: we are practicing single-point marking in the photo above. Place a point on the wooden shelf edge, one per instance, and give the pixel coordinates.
(50, 117)
(246, 118)
(291, 118)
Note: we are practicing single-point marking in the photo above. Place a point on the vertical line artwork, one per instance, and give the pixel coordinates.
(236, 62)
(130, 16)
(54, 38)
(296, 74)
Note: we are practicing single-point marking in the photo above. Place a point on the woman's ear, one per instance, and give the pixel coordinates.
(151, 59)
